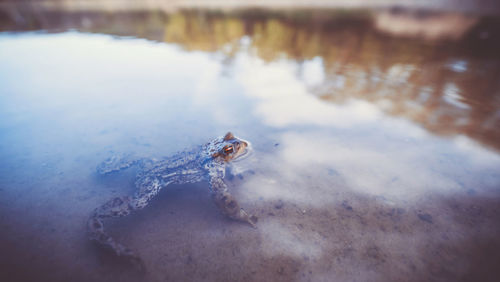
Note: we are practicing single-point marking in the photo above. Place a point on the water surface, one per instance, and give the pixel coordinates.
(375, 154)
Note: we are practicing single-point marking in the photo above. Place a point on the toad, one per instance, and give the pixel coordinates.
(206, 162)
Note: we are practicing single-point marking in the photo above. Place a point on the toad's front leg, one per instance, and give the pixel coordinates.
(227, 204)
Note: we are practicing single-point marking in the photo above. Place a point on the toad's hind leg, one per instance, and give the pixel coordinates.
(118, 207)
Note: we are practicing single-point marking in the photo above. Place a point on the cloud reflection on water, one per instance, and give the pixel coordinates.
(368, 151)
(284, 99)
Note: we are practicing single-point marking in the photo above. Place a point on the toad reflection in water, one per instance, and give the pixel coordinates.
(206, 162)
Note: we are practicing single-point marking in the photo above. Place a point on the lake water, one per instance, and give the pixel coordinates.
(375, 152)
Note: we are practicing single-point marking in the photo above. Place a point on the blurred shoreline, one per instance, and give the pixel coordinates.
(481, 7)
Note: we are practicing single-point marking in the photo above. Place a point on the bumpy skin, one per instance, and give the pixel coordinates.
(206, 162)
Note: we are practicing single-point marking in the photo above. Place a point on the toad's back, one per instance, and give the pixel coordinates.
(183, 167)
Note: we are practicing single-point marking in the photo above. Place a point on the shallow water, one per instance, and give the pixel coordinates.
(375, 156)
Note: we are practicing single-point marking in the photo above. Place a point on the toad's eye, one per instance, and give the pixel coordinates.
(228, 149)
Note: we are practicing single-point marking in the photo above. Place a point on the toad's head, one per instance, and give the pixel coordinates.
(229, 148)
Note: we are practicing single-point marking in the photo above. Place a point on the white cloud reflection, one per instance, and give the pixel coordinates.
(313, 71)
(315, 168)
(284, 99)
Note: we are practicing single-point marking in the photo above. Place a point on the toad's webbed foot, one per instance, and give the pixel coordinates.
(227, 204)
(120, 250)
(230, 207)
(248, 218)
